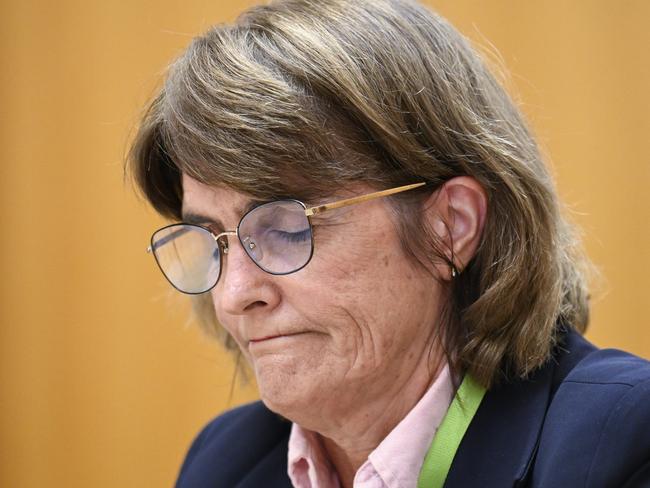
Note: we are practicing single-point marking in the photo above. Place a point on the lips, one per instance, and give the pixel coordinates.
(271, 337)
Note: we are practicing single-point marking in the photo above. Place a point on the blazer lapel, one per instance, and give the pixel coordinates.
(501, 442)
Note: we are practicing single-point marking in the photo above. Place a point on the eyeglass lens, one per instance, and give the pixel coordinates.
(276, 236)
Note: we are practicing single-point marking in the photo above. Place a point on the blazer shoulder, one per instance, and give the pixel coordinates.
(249, 416)
(233, 445)
(610, 366)
(598, 419)
(622, 453)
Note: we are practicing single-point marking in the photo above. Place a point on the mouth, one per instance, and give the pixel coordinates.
(270, 338)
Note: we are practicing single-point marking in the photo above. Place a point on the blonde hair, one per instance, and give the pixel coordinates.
(301, 97)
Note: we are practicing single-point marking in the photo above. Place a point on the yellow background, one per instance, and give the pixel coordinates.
(102, 381)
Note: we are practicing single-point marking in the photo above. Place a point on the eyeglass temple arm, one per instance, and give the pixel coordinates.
(308, 211)
(363, 198)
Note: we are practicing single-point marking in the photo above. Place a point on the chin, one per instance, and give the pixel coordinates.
(286, 388)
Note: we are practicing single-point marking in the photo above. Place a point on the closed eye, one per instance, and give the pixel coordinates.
(301, 236)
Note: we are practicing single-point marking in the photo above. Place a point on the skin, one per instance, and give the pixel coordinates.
(346, 346)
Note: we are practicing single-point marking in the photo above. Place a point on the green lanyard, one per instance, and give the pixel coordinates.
(451, 431)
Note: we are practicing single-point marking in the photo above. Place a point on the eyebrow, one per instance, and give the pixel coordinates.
(190, 217)
(196, 218)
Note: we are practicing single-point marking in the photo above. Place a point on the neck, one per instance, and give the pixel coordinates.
(349, 443)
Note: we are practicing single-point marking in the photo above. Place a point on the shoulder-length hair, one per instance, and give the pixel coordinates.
(301, 97)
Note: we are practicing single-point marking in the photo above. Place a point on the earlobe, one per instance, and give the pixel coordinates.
(458, 211)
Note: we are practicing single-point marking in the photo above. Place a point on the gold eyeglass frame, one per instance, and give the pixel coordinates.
(309, 212)
(359, 199)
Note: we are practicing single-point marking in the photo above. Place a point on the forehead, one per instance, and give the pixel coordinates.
(213, 202)
(224, 206)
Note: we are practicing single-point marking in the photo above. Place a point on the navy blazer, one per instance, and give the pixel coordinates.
(583, 420)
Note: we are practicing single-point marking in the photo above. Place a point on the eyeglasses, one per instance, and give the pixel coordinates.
(277, 236)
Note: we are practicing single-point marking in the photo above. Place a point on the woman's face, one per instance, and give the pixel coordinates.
(352, 326)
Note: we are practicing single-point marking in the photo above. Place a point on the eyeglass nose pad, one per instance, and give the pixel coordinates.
(253, 249)
(222, 244)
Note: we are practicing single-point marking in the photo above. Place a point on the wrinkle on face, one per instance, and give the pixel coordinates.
(365, 342)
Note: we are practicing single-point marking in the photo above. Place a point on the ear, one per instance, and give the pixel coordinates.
(456, 213)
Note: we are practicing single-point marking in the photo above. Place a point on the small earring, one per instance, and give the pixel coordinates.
(454, 271)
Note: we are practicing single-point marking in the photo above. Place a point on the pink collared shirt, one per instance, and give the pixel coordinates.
(397, 460)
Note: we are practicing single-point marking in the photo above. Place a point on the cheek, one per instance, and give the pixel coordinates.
(352, 264)
(352, 260)
(362, 296)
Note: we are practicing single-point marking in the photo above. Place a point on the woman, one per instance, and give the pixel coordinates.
(366, 217)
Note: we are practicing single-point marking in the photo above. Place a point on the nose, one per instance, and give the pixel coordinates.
(243, 287)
